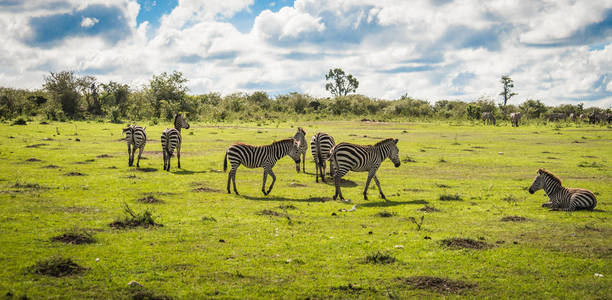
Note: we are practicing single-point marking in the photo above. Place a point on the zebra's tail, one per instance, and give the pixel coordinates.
(335, 161)
(319, 157)
(225, 162)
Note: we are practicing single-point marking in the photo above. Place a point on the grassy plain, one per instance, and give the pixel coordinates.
(297, 242)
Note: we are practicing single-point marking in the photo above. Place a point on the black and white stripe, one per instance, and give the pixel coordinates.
(350, 157)
(136, 138)
(562, 198)
(488, 117)
(320, 145)
(300, 136)
(515, 118)
(171, 139)
(259, 157)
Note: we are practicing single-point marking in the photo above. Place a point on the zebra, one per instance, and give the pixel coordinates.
(136, 138)
(347, 157)
(320, 144)
(300, 136)
(488, 117)
(562, 198)
(553, 117)
(259, 156)
(515, 118)
(171, 139)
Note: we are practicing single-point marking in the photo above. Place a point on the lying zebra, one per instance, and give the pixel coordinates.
(259, 157)
(562, 198)
(347, 157)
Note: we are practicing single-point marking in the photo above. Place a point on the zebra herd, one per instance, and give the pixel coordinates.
(342, 157)
(515, 118)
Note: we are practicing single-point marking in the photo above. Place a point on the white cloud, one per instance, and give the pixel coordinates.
(89, 22)
(392, 47)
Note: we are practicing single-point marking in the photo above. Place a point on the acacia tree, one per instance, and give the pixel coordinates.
(508, 85)
(341, 84)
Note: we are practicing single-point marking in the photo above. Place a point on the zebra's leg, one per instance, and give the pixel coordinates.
(365, 190)
(234, 180)
(178, 154)
(338, 191)
(139, 155)
(165, 158)
(304, 162)
(322, 170)
(379, 189)
(229, 181)
(263, 185)
(273, 181)
(169, 157)
(547, 204)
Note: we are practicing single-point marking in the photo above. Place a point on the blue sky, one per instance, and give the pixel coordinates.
(558, 52)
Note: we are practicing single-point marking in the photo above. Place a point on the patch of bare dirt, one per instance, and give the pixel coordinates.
(513, 219)
(463, 243)
(437, 284)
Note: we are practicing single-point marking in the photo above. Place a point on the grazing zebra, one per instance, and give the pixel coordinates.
(300, 136)
(171, 139)
(572, 117)
(562, 198)
(320, 144)
(350, 157)
(259, 157)
(515, 118)
(553, 117)
(136, 138)
(488, 117)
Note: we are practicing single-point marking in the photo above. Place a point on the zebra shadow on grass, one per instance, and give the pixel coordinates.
(392, 203)
(187, 172)
(277, 198)
(343, 182)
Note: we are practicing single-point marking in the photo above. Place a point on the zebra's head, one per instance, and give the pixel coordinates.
(294, 152)
(180, 121)
(538, 182)
(127, 129)
(394, 154)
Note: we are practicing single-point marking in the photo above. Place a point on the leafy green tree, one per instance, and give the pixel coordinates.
(473, 111)
(508, 84)
(63, 89)
(341, 84)
(167, 90)
(533, 108)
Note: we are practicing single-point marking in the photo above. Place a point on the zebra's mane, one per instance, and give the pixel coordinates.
(551, 175)
(273, 143)
(384, 141)
(300, 129)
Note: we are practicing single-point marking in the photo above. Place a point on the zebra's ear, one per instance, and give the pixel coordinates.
(395, 141)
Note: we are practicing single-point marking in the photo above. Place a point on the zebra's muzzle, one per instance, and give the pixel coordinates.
(531, 191)
(397, 165)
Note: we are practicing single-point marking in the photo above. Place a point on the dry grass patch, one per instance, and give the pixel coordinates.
(132, 219)
(150, 199)
(74, 174)
(385, 214)
(428, 208)
(379, 258)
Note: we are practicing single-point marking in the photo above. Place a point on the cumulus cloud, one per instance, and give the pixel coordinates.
(556, 51)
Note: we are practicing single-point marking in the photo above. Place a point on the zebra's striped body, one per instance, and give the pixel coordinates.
(300, 136)
(259, 157)
(488, 117)
(562, 198)
(171, 139)
(320, 145)
(515, 118)
(136, 138)
(350, 157)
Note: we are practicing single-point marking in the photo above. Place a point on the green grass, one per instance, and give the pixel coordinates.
(297, 242)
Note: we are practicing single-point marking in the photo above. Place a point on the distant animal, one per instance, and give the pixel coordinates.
(581, 117)
(595, 117)
(515, 118)
(572, 117)
(347, 157)
(555, 117)
(259, 157)
(171, 139)
(488, 117)
(320, 145)
(136, 138)
(561, 198)
(300, 136)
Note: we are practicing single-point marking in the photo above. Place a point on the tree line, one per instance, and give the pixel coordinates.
(68, 96)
